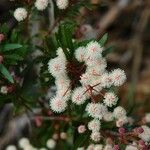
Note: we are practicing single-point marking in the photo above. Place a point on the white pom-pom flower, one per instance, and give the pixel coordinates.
(145, 136)
(80, 148)
(95, 136)
(56, 66)
(51, 143)
(96, 110)
(98, 147)
(147, 117)
(106, 80)
(4, 90)
(90, 147)
(94, 49)
(23, 142)
(108, 116)
(118, 77)
(119, 112)
(41, 4)
(108, 147)
(110, 99)
(11, 147)
(80, 54)
(85, 78)
(94, 125)
(79, 96)
(121, 121)
(58, 105)
(20, 14)
(97, 68)
(62, 4)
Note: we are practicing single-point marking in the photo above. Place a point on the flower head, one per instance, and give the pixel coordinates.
(96, 110)
(41, 4)
(110, 99)
(79, 96)
(62, 4)
(11, 147)
(119, 112)
(58, 104)
(20, 14)
(118, 77)
(145, 136)
(96, 136)
(94, 125)
(80, 54)
(57, 66)
(51, 143)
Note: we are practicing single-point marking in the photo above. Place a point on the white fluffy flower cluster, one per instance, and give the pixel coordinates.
(120, 114)
(41, 4)
(62, 4)
(57, 67)
(93, 81)
(145, 136)
(20, 14)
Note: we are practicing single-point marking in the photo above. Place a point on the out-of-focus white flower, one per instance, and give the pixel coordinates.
(131, 147)
(63, 135)
(43, 148)
(62, 4)
(108, 147)
(79, 96)
(41, 4)
(20, 14)
(110, 99)
(51, 143)
(58, 105)
(94, 49)
(11, 147)
(119, 112)
(95, 136)
(4, 90)
(94, 125)
(80, 148)
(29, 147)
(108, 116)
(96, 110)
(23, 142)
(98, 147)
(80, 54)
(90, 147)
(118, 77)
(106, 80)
(147, 117)
(145, 136)
(81, 129)
(121, 121)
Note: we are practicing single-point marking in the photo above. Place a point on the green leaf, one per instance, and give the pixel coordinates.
(104, 39)
(8, 47)
(6, 73)
(108, 50)
(13, 56)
